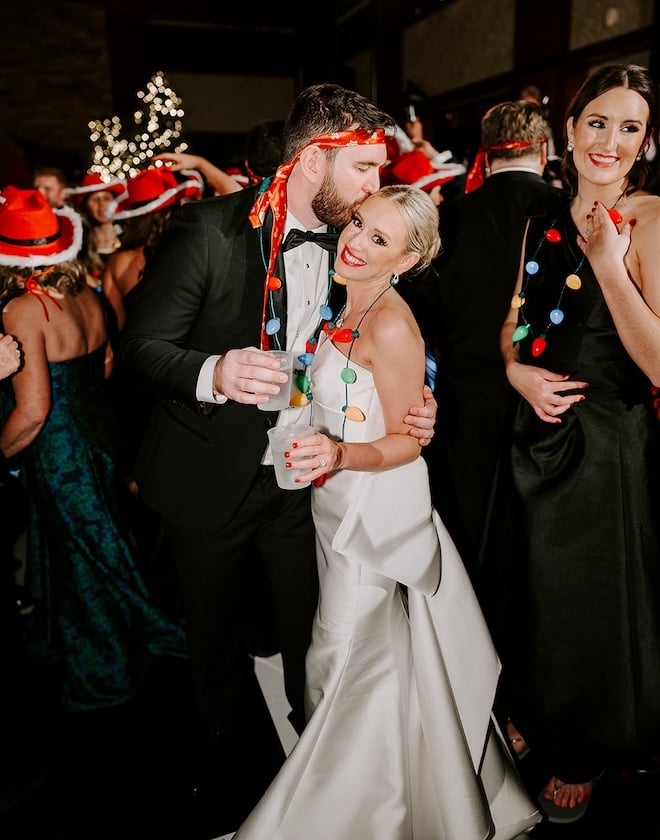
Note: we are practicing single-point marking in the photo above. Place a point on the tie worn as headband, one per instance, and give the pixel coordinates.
(477, 174)
(273, 195)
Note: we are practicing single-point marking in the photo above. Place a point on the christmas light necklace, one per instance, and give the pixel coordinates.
(571, 282)
(344, 335)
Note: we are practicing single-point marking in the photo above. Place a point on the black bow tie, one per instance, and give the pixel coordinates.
(296, 237)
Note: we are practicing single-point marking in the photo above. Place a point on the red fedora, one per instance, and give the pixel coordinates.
(32, 233)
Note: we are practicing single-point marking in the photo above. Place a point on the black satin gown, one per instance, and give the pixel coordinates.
(582, 650)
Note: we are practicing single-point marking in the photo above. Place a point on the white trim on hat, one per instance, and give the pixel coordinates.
(70, 253)
(243, 180)
(443, 174)
(106, 185)
(158, 203)
(196, 176)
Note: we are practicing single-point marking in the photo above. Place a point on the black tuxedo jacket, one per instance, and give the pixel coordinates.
(477, 278)
(202, 294)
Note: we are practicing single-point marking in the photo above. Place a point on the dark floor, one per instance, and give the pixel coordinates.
(625, 804)
(127, 773)
(124, 772)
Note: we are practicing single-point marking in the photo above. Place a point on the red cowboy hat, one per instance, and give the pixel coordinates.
(154, 189)
(93, 183)
(32, 233)
(416, 169)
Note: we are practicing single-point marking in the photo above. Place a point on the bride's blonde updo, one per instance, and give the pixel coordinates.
(421, 219)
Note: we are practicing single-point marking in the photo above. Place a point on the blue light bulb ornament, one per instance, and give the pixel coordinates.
(272, 326)
(556, 316)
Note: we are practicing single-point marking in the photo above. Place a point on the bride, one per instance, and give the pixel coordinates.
(400, 742)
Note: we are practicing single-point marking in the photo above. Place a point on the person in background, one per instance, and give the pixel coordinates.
(23, 767)
(211, 302)
(469, 303)
(378, 662)
(412, 159)
(263, 150)
(263, 154)
(415, 167)
(552, 171)
(10, 356)
(52, 183)
(145, 210)
(100, 235)
(581, 346)
(92, 607)
(218, 180)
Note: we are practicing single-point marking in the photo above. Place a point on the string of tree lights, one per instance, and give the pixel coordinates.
(158, 124)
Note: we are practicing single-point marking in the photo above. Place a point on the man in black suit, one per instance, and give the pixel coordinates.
(477, 275)
(222, 287)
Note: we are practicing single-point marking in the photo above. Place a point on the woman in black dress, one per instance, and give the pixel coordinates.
(582, 347)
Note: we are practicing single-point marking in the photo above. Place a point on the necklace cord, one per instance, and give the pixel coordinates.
(348, 375)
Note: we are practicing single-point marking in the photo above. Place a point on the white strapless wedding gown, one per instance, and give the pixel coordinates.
(400, 743)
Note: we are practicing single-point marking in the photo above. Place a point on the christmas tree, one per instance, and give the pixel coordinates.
(157, 127)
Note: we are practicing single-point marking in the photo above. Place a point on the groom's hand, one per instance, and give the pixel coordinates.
(421, 419)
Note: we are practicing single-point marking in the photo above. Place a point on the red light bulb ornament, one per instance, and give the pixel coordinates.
(345, 335)
(612, 212)
(538, 346)
(616, 217)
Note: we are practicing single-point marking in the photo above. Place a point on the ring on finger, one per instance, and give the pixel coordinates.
(322, 462)
(18, 353)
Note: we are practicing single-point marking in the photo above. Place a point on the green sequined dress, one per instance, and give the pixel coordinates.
(92, 605)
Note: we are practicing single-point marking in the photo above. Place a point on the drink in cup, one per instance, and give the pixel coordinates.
(281, 440)
(276, 402)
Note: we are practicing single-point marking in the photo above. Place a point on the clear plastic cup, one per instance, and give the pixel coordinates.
(277, 402)
(281, 438)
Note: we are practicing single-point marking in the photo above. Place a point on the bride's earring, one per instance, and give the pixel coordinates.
(570, 145)
(394, 279)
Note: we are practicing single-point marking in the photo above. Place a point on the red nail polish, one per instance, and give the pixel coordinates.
(294, 445)
(287, 454)
(288, 465)
(632, 222)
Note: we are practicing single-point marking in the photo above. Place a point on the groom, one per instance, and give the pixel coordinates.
(218, 291)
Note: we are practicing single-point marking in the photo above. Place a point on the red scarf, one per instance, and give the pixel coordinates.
(477, 174)
(274, 196)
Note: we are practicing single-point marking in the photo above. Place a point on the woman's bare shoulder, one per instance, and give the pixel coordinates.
(30, 309)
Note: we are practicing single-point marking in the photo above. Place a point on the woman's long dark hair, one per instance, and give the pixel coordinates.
(630, 76)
